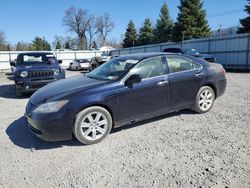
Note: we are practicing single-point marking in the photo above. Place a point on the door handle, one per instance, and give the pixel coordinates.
(199, 74)
(162, 83)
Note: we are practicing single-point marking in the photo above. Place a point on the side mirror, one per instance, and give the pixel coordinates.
(134, 78)
(13, 63)
(59, 61)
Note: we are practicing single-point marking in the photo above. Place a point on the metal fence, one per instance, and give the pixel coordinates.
(65, 56)
(232, 52)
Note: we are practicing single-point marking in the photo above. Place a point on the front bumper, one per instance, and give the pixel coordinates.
(29, 85)
(50, 127)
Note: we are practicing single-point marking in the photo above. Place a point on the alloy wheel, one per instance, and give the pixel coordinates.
(206, 100)
(94, 125)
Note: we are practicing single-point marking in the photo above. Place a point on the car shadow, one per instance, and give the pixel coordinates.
(8, 92)
(20, 134)
(9, 76)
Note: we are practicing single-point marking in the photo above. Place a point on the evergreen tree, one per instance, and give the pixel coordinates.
(40, 44)
(8, 47)
(130, 35)
(164, 25)
(146, 34)
(246, 21)
(18, 47)
(67, 45)
(58, 45)
(191, 21)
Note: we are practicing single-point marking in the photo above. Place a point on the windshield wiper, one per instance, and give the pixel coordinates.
(97, 77)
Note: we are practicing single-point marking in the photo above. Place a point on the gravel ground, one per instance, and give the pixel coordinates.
(181, 149)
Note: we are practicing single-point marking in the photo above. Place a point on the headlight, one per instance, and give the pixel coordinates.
(50, 107)
(56, 72)
(24, 73)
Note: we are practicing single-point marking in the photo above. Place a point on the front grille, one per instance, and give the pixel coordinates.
(40, 73)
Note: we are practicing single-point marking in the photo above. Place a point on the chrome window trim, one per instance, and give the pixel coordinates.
(129, 73)
(191, 60)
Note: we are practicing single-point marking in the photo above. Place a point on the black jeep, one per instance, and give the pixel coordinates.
(33, 70)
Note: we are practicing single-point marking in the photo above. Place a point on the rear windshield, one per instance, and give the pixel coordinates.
(36, 58)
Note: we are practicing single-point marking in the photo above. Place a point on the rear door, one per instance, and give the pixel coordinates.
(185, 78)
(148, 97)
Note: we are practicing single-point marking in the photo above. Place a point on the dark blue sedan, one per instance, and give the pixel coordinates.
(124, 90)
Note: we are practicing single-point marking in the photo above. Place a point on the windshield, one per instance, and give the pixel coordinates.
(36, 58)
(113, 70)
(191, 51)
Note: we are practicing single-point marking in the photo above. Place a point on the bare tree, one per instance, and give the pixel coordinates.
(106, 26)
(3, 45)
(93, 29)
(78, 21)
(23, 46)
(57, 39)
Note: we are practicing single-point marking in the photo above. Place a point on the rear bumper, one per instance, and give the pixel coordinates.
(221, 87)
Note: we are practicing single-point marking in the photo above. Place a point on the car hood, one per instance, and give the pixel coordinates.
(62, 88)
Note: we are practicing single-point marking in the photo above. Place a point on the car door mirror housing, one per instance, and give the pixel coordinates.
(134, 78)
(59, 61)
(12, 63)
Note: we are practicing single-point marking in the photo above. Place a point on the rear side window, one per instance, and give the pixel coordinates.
(181, 63)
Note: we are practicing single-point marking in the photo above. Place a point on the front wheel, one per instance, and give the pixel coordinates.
(204, 100)
(92, 125)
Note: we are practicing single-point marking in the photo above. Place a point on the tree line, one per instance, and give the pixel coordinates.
(91, 31)
(191, 23)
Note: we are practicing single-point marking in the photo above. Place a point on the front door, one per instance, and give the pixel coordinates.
(148, 97)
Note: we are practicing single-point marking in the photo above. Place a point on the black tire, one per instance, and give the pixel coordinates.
(78, 68)
(200, 102)
(18, 92)
(90, 69)
(95, 65)
(82, 116)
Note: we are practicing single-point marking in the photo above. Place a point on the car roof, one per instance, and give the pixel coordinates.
(141, 56)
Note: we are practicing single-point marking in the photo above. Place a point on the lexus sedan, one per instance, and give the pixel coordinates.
(121, 91)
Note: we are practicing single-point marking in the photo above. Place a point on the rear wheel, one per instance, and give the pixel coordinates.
(204, 100)
(92, 125)
(78, 68)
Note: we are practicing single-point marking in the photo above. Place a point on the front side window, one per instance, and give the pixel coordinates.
(150, 68)
(179, 64)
